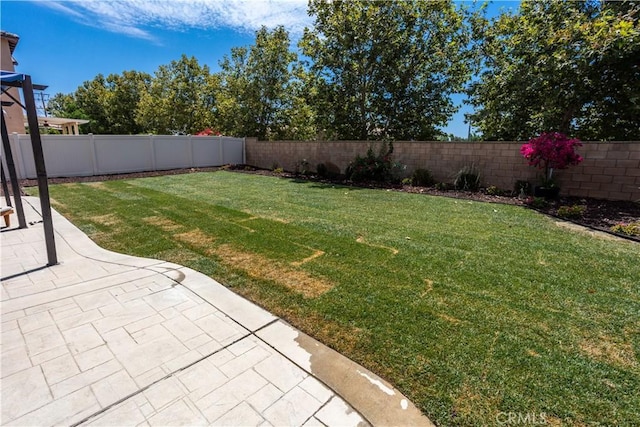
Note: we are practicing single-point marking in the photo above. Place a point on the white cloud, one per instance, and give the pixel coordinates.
(137, 17)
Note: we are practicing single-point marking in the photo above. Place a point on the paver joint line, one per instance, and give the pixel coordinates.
(166, 377)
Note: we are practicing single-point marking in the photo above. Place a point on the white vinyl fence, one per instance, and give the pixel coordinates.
(86, 155)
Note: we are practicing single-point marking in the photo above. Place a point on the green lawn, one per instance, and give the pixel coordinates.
(470, 309)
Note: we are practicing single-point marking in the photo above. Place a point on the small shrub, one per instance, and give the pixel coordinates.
(278, 170)
(275, 166)
(443, 186)
(322, 170)
(407, 181)
(631, 229)
(522, 187)
(494, 191)
(302, 167)
(467, 179)
(372, 167)
(571, 212)
(422, 178)
(537, 202)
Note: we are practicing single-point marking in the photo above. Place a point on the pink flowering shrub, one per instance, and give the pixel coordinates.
(551, 150)
(208, 132)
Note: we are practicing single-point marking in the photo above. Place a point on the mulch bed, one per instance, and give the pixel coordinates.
(598, 214)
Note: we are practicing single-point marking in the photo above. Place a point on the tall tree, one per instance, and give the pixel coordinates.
(386, 69)
(124, 92)
(65, 105)
(92, 98)
(260, 90)
(181, 98)
(560, 66)
(111, 103)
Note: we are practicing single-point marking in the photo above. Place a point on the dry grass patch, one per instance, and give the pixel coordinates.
(98, 186)
(199, 239)
(606, 349)
(264, 268)
(251, 218)
(361, 239)
(583, 229)
(54, 202)
(109, 220)
(239, 223)
(164, 223)
(342, 338)
(179, 256)
(428, 287)
(314, 255)
(469, 403)
(449, 319)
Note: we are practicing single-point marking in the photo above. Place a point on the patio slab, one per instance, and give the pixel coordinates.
(109, 339)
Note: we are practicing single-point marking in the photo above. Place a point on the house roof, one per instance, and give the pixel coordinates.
(11, 38)
(13, 42)
(57, 122)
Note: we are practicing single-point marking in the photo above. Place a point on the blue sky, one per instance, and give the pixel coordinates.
(64, 43)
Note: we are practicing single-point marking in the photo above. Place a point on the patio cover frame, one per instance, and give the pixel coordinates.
(23, 81)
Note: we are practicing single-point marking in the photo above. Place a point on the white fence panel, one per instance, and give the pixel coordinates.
(22, 155)
(67, 157)
(206, 151)
(172, 152)
(233, 150)
(85, 155)
(123, 153)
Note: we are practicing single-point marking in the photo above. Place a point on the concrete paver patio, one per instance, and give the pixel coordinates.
(109, 339)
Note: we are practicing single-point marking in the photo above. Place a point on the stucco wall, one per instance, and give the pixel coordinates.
(13, 114)
(610, 170)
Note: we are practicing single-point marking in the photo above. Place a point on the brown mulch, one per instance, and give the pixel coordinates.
(598, 214)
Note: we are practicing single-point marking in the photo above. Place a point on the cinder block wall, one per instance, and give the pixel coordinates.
(610, 170)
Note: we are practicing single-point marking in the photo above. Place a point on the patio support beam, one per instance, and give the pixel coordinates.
(41, 171)
(15, 186)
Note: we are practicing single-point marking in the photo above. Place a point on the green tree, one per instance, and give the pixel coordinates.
(111, 103)
(181, 98)
(560, 66)
(124, 92)
(386, 69)
(92, 98)
(65, 105)
(261, 90)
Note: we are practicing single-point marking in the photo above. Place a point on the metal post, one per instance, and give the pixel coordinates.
(41, 171)
(5, 187)
(15, 187)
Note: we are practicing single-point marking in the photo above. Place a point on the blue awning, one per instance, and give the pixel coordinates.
(10, 76)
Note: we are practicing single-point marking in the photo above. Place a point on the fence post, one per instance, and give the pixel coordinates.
(244, 151)
(190, 148)
(221, 151)
(94, 155)
(152, 147)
